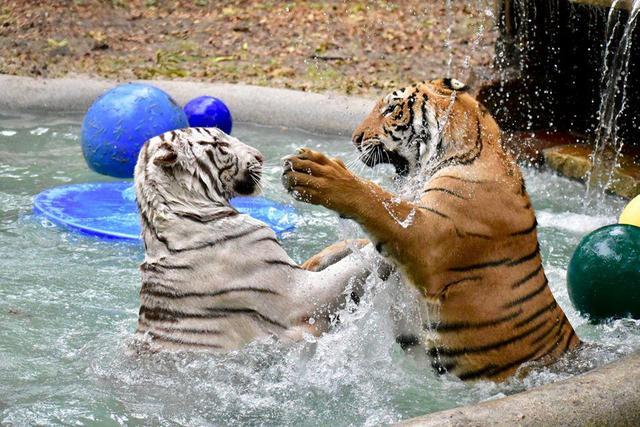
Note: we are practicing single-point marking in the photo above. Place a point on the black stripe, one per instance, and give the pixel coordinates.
(147, 284)
(177, 295)
(527, 257)
(247, 311)
(443, 367)
(267, 238)
(528, 296)
(478, 235)
(493, 370)
(557, 339)
(159, 337)
(537, 314)
(156, 267)
(452, 352)
(572, 332)
(557, 324)
(426, 135)
(526, 230)
(181, 330)
(206, 188)
(167, 315)
(467, 157)
(526, 278)
(207, 171)
(444, 190)
(559, 336)
(481, 265)
(212, 158)
(224, 213)
(456, 282)
(147, 224)
(219, 241)
(407, 341)
(440, 214)
(281, 262)
(459, 326)
(470, 181)
(393, 137)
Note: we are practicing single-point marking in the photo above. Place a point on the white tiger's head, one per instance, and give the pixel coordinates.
(199, 164)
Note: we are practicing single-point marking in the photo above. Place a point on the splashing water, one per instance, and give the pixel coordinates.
(68, 307)
(616, 72)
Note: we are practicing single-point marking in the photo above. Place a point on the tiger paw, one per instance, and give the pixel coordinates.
(314, 178)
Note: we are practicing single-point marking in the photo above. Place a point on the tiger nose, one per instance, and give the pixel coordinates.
(357, 139)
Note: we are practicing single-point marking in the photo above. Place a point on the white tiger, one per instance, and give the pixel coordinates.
(213, 278)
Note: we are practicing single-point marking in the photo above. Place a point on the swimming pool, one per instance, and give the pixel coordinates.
(68, 307)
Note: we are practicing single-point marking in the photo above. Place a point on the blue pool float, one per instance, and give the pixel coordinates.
(108, 209)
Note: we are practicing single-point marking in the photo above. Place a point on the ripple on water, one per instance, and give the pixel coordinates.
(68, 308)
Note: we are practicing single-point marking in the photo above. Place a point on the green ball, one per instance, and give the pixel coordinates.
(604, 273)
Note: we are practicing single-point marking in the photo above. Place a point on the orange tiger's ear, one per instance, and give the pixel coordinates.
(166, 155)
(454, 84)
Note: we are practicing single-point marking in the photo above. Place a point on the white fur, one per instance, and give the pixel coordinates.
(229, 259)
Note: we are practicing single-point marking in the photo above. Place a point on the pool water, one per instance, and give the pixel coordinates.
(68, 308)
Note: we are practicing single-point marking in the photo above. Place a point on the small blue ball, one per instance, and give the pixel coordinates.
(120, 121)
(207, 111)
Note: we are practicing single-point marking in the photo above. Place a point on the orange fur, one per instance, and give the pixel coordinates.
(471, 247)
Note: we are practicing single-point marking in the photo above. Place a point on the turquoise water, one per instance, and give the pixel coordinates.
(68, 307)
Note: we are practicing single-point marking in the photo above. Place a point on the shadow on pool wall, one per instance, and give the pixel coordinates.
(607, 395)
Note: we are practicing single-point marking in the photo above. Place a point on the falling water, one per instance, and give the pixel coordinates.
(447, 42)
(616, 70)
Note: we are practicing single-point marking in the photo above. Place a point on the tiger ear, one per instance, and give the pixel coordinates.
(166, 155)
(455, 84)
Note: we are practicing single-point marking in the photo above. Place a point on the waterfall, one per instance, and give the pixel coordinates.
(607, 144)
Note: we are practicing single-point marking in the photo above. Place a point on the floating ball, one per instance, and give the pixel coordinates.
(631, 213)
(119, 122)
(207, 111)
(603, 277)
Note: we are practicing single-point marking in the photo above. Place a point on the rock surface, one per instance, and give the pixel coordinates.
(574, 161)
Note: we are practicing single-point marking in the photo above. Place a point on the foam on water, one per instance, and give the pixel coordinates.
(68, 308)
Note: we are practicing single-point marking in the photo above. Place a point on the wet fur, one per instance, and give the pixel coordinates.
(212, 278)
(467, 241)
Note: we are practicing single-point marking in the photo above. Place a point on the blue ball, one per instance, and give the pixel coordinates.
(207, 111)
(120, 121)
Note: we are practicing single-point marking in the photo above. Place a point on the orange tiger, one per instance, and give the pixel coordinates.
(467, 241)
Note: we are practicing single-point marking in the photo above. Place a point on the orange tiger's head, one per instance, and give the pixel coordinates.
(431, 124)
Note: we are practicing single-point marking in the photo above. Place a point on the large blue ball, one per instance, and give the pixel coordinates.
(121, 120)
(207, 111)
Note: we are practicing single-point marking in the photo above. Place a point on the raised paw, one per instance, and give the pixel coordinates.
(314, 178)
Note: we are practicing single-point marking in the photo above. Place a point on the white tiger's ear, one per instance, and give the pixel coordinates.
(166, 155)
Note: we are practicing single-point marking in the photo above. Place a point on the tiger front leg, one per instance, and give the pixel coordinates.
(314, 178)
(399, 229)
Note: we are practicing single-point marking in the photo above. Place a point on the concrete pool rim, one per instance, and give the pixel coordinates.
(608, 395)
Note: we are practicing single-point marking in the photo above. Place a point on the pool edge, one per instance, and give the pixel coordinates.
(322, 113)
(608, 395)
(603, 396)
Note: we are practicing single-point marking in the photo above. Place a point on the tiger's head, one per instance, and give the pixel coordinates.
(429, 123)
(199, 164)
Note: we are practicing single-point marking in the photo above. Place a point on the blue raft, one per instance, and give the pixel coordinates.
(108, 209)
